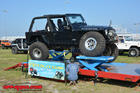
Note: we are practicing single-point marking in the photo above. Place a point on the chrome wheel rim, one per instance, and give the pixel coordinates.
(37, 53)
(90, 44)
(133, 53)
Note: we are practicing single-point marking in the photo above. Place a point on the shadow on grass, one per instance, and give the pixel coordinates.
(119, 83)
(109, 81)
(123, 55)
(126, 55)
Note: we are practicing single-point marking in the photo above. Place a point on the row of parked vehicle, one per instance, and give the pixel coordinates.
(17, 46)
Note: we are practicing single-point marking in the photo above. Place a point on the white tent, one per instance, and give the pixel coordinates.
(11, 38)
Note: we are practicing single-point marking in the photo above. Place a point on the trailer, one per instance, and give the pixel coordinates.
(98, 67)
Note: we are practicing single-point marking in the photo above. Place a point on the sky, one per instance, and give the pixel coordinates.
(16, 15)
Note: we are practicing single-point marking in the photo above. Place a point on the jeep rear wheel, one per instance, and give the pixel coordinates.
(92, 44)
(134, 52)
(14, 50)
(38, 51)
(111, 50)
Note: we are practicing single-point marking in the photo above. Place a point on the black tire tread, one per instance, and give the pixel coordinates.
(42, 47)
(99, 49)
(14, 50)
(136, 49)
(113, 51)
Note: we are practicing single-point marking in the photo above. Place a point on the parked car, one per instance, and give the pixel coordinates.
(19, 45)
(67, 31)
(5, 44)
(127, 43)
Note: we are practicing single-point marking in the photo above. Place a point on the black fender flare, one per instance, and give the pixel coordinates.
(44, 39)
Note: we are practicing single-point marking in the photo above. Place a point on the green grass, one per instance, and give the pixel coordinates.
(50, 86)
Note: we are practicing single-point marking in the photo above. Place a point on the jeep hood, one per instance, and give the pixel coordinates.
(88, 27)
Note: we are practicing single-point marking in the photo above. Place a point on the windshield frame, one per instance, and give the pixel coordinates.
(67, 16)
(130, 38)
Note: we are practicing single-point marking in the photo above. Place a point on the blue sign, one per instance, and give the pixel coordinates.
(48, 69)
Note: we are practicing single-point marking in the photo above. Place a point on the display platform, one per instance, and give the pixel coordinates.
(123, 68)
(54, 68)
(100, 67)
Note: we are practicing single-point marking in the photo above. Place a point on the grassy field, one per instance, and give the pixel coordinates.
(50, 86)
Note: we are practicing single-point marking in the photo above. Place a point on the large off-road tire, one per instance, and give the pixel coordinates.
(38, 51)
(14, 50)
(111, 50)
(92, 44)
(134, 52)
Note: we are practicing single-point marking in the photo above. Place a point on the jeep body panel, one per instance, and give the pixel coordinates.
(55, 38)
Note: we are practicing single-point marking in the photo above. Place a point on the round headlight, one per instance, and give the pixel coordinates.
(106, 32)
(111, 32)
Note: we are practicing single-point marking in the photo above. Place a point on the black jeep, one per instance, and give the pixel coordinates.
(66, 32)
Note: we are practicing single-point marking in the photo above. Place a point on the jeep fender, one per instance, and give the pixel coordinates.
(41, 38)
(135, 47)
(44, 39)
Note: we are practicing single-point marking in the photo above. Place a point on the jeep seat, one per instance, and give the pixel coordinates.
(52, 26)
(60, 25)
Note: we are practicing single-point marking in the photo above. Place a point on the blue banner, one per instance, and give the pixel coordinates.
(48, 69)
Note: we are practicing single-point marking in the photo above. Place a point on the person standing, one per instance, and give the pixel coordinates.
(72, 70)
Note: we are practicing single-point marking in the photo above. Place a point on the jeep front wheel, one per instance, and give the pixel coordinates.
(92, 44)
(14, 50)
(38, 51)
(134, 52)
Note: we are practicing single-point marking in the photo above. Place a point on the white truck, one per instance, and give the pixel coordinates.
(127, 43)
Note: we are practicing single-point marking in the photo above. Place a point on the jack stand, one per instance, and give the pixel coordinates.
(58, 55)
(95, 79)
(92, 63)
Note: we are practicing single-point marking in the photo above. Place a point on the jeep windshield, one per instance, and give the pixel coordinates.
(5, 41)
(128, 38)
(76, 19)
